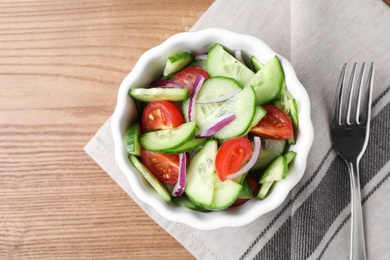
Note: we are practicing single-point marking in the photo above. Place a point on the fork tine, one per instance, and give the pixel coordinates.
(347, 113)
(339, 97)
(366, 112)
(358, 98)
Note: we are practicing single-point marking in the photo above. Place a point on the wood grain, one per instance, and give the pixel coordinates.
(61, 63)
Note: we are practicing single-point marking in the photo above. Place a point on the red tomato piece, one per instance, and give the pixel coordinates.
(239, 202)
(164, 166)
(187, 76)
(232, 156)
(159, 115)
(275, 124)
(253, 184)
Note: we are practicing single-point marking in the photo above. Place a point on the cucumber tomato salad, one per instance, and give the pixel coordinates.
(214, 131)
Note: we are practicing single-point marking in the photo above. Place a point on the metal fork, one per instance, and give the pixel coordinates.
(350, 131)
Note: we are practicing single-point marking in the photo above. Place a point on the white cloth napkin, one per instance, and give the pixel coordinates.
(318, 37)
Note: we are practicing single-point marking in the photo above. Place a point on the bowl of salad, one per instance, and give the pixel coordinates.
(212, 128)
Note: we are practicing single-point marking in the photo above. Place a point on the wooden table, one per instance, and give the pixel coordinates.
(61, 63)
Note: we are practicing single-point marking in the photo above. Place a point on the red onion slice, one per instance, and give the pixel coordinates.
(165, 83)
(251, 162)
(216, 126)
(193, 95)
(179, 187)
(202, 57)
(238, 56)
(219, 99)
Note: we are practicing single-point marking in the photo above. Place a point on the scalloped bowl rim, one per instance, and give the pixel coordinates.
(148, 67)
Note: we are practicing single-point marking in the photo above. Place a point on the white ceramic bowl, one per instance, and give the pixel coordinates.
(149, 67)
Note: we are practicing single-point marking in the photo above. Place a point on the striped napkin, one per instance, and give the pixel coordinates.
(317, 37)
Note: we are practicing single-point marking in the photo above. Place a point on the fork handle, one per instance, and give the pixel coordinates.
(358, 247)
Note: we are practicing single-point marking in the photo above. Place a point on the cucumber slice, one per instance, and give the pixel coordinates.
(292, 140)
(240, 179)
(156, 184)
(259, 114)
(213, 88)
(168, 139)
(246, 192)
(132, 136)
(292, 103)
(184, 201)
(198, 63)
(268, 81)
(176, 62)
(282, 101)
(243, 105)
(290, 155)
(279, 104)
(200, 175)
(270, 150)
(257, 65)
(264, 189)
(221, 63)
(225, 193)
(184, 109)
(189, 146)
(218, 86)
(276, 171)
(156, 94)
(204, 188)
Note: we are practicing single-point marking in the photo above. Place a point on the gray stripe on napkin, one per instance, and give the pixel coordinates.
(329, 198)
(365, 198)
(287, 206)
(281, 237)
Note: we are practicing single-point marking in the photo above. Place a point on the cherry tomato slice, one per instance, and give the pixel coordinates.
(161, 115)
(187, 76)
(239, 202)
(253, 184)
(232, 156)
(164, 166)
(275, 124)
